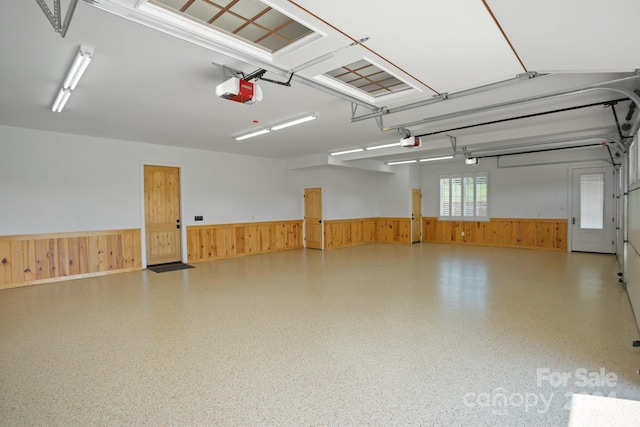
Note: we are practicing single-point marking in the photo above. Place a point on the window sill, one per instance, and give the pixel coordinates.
(464, 219)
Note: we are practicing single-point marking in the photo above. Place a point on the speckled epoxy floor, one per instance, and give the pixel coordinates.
(371, 335)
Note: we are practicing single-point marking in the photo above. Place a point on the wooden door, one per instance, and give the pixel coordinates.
(313, 218)
(416, 214)
(162, 214)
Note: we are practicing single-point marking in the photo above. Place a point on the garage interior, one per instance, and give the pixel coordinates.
(419, 214)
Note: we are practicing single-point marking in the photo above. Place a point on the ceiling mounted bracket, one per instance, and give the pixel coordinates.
(354, 110)
(454, 142)
(259, 75)
(406, 133)
(55, 17)
(287, 83)
(229, 72)
(527, 75)
(376, 113)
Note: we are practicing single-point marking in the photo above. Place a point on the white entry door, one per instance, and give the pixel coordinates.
(593, 220)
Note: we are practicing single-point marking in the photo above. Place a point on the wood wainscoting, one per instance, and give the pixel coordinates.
(43, 258)
(343, 233)
(547, 234)
(211, 242)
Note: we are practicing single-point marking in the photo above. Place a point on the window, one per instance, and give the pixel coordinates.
(464, 197)
(250, 20)
(592, 201)
(369, 78)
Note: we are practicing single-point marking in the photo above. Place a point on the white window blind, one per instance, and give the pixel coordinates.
(464, 197)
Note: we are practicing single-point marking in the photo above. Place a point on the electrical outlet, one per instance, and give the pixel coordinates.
(462, 233)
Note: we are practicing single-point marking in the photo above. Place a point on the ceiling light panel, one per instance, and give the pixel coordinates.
(369, 78)
(250, 20)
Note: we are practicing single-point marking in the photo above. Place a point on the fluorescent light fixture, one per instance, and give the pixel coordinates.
(339, 153)
(402, 162)
(252, 134)
(61, 100)
(295, 122)
(377, 147)
(433, 159)
(80, 64)
(278, 127)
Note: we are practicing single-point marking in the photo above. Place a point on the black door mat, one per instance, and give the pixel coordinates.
(172, 266)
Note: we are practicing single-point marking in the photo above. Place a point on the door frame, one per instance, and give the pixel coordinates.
(413, 189)
(571, 213)
(183, 226)
(324, 214)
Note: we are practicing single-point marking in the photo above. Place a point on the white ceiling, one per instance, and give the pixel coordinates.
(147, 86)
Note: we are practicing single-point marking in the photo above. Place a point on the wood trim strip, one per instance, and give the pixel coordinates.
(67, 235)
(245, 224)
(65, 278)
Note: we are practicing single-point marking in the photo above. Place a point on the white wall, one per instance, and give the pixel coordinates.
(362, 194)
(394, 192)
(346, 193)
(519, 192)
(52, 182)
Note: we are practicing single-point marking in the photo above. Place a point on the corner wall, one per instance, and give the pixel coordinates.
(517, 192)
(69, 203)
(52, 182)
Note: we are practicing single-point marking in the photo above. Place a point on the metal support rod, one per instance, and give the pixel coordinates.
(446, 96)
(615, 117)
(454, 142)
(615, 144)
(47, 12)
(55, 18)
(67, 19)
(526, 116)
(613, 163)
(499, 156)
(255, 75)
(287, 83)
(56, 13)
(542, 150)
(575, 91)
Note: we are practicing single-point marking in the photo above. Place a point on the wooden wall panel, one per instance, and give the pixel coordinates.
(43, 258)
(547, 234)
(361, 231)
(349, 232)
(6, 266)
(218, 241)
